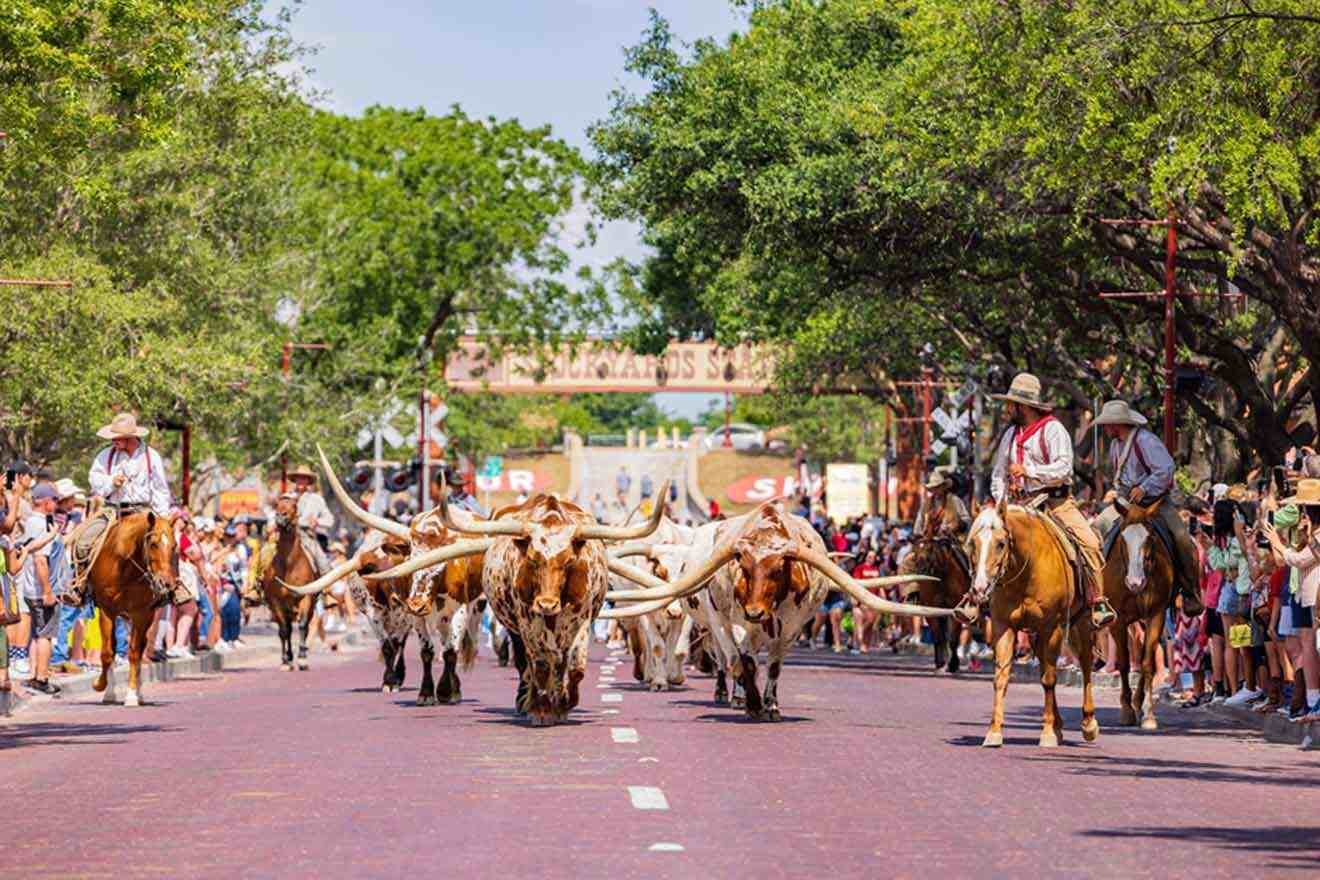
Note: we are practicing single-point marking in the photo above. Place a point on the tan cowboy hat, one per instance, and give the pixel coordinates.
(1117, 412)
(1308, 494)
(938, 479)
(1026, 390)
(124, 424)
(303, 470)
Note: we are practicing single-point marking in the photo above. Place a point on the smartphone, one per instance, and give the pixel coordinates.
(1280, 480)
(9, 478)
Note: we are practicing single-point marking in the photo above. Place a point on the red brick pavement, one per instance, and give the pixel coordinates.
(875, 771)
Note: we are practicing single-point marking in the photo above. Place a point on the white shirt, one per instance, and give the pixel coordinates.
(144, 485)
(313, 513)
(1055, 468)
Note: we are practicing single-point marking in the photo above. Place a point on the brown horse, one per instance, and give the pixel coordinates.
(1020, 568)
(135, 573)
(289, 565)
(1139, 583)
(940, 556)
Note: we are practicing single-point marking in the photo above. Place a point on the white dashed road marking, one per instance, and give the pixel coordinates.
(615, 697)
(645, 797)
(624, 734)
(666, 847)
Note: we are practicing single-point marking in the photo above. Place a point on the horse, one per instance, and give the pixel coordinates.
(135, 573)
(1022, 570)
(939, 556)
(1139, 582)
(289, 565)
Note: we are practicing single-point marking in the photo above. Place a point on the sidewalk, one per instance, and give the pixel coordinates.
(263, 645)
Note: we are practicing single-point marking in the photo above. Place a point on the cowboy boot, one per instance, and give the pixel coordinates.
(1102, 614)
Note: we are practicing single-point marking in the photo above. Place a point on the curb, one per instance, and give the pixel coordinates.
(1024, 673)
(210, 662)
(1273, 726)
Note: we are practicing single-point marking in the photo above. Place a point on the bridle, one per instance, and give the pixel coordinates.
(995, 574)
(156, 582)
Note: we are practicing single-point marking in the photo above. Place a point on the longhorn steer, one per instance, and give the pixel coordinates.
(768, 572)
(545, 576)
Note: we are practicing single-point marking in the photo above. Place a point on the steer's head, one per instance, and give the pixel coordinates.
(428, 533)
(765, 574)
(553, 572)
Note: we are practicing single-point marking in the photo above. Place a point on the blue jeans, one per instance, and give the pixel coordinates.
(68, 617)
(122, 629)
(231, 617)
(206, 615)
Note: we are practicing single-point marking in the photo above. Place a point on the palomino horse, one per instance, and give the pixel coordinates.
(135, 573)
(1139, 583)
(1022, 570)
(940, 557)
(289, 566)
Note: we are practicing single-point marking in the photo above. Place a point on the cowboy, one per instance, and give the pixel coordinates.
(1142, 470)
(130, 476)
(1034, 464)
(947, 511)
(313, 516)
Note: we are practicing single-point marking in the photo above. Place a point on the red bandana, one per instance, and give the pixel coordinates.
(1025, 434)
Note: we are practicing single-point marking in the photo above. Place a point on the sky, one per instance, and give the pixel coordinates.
(541, 62)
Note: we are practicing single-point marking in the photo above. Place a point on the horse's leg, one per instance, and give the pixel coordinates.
(1050, 639)
(937, 630)
(1146, 689)
(1083, 639)
(1127, 715)
(954, 628)
(305, 614)
(107, 680)
(1005, 642)
(137, 646)
(285, 624)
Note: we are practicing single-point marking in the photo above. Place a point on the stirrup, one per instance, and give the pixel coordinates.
(1102, 614)
(967, 610)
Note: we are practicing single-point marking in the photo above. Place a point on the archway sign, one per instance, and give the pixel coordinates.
(597, 366)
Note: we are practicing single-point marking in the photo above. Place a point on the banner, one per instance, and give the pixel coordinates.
(755, 489)
(847, 491)
(596, 367)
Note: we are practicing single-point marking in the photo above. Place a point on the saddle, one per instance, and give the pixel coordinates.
(84, 547)
(1079, 576)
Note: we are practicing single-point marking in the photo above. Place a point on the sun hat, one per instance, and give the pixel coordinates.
(124, 424)
(1025, 390)
(1307, 495)
(1117, 412)
(302, 470)
(66, 488)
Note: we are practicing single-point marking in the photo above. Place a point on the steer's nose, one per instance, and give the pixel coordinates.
(545, 605)
(754, 614)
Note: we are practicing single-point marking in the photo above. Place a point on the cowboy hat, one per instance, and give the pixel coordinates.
(1308, 494)
(1117, 412)
(124, 424)
(1025, 390)
(67, 488)
(303, 470)
(938, 479)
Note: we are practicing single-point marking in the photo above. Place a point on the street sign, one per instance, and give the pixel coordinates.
(937, 447)
(963, 394)
(492, 467)
(944, 420)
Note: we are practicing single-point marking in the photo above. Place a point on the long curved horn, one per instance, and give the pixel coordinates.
(380, 523)
(476, 527)
(628, 533)
(826, 566)
(433, 557)
(896, 580)
(657, 589)
(635, 548)
(324, 580)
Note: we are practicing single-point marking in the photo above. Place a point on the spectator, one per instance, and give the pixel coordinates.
(1304, 586)
(35, 582)
(598, 508)
(622, 483)
(1226, 556)
(863, 617)
(647, 488)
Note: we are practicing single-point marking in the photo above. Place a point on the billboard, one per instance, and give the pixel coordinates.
(595, 366)
(847, 491)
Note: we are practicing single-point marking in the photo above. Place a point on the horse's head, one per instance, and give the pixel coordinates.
(1136, 536)
(989, 546)
(161, 550)
(286, 510)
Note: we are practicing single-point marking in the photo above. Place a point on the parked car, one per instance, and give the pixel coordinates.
(743, 436)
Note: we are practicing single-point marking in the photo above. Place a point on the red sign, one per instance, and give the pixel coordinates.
(755, 490)
(236, 501)
(530, 482)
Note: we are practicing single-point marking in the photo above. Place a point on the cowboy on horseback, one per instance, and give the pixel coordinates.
(129, 476)
(314, 517)
(1142, 470)
(1034, 466)
(942, 512)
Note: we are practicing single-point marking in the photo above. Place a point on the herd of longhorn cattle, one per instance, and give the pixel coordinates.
(546, 569)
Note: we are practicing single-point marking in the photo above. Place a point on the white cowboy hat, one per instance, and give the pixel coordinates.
(1117, 412)
(67, 488)
(1026, 390)
(124, 424)
(937, 479)
(1308, 494)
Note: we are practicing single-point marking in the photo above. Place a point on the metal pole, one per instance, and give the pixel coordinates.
(1097, 445)
(976, 445)
(379, 504)
(423, 449)
(1169, 298)
(186, 455)
(728, 421)
(925, 418)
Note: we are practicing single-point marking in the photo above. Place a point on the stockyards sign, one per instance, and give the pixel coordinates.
(595, 366)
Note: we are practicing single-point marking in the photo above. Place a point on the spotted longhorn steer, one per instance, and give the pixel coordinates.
(545, 577)
(767, 574)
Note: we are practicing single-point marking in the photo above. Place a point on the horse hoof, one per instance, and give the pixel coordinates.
(772, 714)
(1127, 718)
(1049, 740)
(737, 702)
(109, 698)
(1149, 723)
(678, 682)
(453, 699)
(656, 686)
(132, 699)
(426, 699)
(993, 740)
(542, 719)
(286, 667)
(303, 666)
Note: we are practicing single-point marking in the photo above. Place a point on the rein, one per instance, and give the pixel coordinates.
(994, 577)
